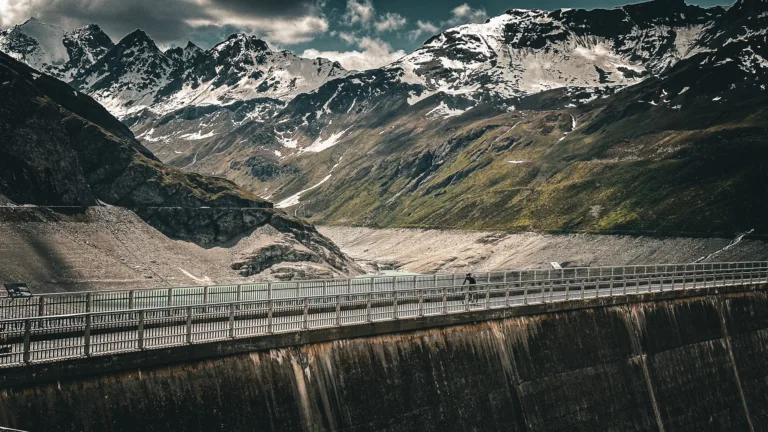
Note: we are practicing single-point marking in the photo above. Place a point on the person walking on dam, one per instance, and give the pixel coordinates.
(472, 281)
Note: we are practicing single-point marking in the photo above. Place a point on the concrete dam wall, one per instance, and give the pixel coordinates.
(664, 362)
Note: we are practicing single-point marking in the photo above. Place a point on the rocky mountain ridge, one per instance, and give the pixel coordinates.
(63, 152)
(543, 120)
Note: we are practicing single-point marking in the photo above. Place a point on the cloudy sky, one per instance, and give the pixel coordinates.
(360, 34)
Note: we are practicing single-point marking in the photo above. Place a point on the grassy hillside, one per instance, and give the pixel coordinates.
(690, 166)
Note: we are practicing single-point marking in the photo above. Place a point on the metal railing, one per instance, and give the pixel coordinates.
(104, 301)
(51, 338)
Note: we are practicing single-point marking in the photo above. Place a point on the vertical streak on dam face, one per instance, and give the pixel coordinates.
(677, 364)
(746, 318)
(689, 366)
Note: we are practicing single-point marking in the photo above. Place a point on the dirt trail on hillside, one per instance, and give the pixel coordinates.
(428, 251)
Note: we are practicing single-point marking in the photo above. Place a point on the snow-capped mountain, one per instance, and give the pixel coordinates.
(525, 52)
(505, 62)
(57, 52)
(136, 75)
(128, 77)
(189, 55)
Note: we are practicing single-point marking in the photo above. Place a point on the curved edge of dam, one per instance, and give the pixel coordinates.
(681, 360)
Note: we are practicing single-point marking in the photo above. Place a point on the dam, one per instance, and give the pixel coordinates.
(671, 348)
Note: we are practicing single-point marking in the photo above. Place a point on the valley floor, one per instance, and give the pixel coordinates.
(450, 251)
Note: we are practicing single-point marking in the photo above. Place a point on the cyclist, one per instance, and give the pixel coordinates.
(472, 281)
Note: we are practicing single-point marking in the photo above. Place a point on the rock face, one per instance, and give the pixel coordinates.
(675, 364)
(61, 148)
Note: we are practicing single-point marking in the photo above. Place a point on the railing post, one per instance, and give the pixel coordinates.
(205, 294)
(506, 294)
(270, 308)
(525, 295)
(189, 324)
(239, 293)
(583, 282)
(88, 302)
(41, 306)
(131, 299)
(306, 313)
(421, 303)
(338, 310)
(610, 288)
(349, 286)
(87, 336)
(231, 320)
(27, 341)
(325, 290)
(169, 300)
(567, 288)
(269, 291)
(551, 290)
(488, 296)
(368, 306)
(394, 304)
(434, 280)
(140, 330)
(445, 301)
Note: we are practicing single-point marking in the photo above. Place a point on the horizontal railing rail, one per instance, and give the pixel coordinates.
(94, 301)
(31, 340)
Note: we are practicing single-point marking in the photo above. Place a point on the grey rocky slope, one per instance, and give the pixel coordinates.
(455, 251)
(63, 150)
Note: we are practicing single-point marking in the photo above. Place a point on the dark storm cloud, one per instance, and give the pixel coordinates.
(166, 20)
(269, 8)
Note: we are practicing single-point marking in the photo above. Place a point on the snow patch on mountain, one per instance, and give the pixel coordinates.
(321, 144)
(444, 111)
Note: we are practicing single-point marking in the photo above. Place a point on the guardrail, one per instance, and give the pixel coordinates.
(52, 338)
(102, 301)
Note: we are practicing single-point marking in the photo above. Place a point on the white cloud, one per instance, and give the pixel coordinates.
(422, 28)
(278, 30)
(465, 14)
(12, 12)
(390, 21)
(359, 12)
(283, 22)
(373, 53)
(347, 37)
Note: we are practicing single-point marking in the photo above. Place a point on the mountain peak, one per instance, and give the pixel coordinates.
(137, 35)
(249, 42)
(92, 27)
(138, 38)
